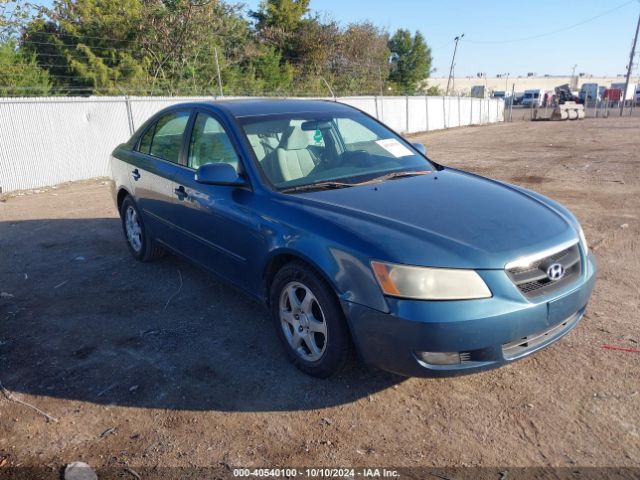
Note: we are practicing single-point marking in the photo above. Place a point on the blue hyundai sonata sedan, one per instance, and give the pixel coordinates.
(352, 237)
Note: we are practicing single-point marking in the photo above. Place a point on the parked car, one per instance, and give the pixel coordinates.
(352, 237)
(532, 98)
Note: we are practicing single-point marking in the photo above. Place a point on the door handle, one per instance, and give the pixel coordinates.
(181, 193)
(135, 174)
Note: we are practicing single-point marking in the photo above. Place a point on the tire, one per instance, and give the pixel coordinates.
(140, 244)
(314, 332)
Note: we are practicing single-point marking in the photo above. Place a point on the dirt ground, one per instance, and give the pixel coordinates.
(142, 373)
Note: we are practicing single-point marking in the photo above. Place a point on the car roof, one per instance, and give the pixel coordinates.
(268, 106)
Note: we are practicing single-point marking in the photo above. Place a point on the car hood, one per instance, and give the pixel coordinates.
(447, 218)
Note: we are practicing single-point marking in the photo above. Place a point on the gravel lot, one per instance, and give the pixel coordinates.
(141, 373)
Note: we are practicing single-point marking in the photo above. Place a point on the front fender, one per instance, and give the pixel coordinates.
(348, 273)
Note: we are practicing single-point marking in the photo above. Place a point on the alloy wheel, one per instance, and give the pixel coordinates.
(303, 321)
(133, 228)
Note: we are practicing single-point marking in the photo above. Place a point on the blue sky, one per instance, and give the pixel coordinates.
(600, 46)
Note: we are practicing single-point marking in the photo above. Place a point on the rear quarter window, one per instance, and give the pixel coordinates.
(145, 141)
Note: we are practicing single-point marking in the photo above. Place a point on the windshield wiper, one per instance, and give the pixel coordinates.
(317, 186)
(389, 176)
(331, 184)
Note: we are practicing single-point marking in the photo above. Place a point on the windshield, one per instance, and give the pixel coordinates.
(301, 149)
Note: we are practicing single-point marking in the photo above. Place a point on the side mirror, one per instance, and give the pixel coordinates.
(420, 147)
(218, 174)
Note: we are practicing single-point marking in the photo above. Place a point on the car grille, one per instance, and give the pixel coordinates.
(524, 345)
(532, 280)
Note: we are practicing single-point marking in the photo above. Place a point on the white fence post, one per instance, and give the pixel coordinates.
(407, 113)
(426, 111)
(132, 127)
(444, 111)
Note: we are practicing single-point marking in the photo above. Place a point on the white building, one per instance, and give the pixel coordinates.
(462, 85)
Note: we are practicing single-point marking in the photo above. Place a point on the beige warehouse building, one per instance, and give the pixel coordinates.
(462, 85)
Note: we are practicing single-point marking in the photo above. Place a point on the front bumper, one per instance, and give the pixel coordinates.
(490, 332)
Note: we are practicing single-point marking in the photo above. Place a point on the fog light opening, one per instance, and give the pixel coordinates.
(444, 358)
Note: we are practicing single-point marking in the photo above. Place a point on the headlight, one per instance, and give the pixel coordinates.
(583, 240)
(426, 283)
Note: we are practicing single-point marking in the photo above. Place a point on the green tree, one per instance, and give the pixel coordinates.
(352, 59)
(433, 91)
(181, 37)
(410, 60)
(365, 55)
(170, 47)
(274, 75)
(20, 75)
(140, 46)
(276, 20)
(89, 44)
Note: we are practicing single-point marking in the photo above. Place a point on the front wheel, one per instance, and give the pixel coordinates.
(309, 321)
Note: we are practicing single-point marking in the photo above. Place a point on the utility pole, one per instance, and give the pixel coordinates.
(513, 93)
(630, 66)
(215, 50)
(453, 60)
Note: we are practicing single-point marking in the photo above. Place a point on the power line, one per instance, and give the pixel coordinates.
(65, 45)
(441, 46)
(553, 32)
(81, 37)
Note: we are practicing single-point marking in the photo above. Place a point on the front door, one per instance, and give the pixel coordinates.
(218, 226)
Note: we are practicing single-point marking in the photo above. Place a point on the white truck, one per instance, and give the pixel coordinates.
(532, 98)
(589, 93)
(630, 91)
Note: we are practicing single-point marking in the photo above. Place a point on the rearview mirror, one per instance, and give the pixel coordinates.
(420, 147)
(315, 125)
(218, 174)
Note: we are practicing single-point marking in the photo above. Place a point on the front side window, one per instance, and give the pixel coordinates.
(168, 136)
(210, 144)
(319, 147)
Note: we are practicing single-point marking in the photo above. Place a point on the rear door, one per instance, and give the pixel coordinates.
(219, 227)
(153, 167)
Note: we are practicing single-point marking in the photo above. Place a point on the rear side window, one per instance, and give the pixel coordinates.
(165, 139)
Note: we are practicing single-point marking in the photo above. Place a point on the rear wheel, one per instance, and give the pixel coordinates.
(309, 321)
(140, 244)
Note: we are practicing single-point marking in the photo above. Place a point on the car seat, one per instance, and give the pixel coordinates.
(293, 158)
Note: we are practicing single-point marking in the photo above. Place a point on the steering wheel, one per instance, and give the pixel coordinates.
(357, 158)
